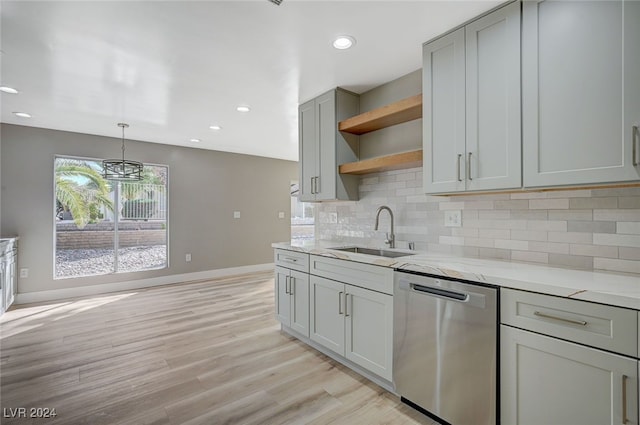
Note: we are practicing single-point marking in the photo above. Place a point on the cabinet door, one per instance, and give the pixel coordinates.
(580, 88)
(443, 113)
(369, 330)
(308, 146)
(327, 313)
(327, 168)
(549, 381)
(493, 139)
(299, 294)
(283, 303)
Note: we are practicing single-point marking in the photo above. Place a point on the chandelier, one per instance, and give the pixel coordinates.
(122, 169)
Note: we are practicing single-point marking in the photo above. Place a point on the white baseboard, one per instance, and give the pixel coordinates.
(82, 291)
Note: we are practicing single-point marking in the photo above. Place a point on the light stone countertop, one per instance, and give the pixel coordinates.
(618, 289)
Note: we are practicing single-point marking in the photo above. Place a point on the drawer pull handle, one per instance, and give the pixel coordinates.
(624, 399)
(562, 319)
(292, 260)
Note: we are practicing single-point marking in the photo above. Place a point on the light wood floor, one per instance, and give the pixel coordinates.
(206, 352)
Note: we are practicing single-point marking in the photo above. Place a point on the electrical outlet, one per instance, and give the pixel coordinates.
(453, 218)
(187, 258)
(24, 273)
(281, 214)
(236, 214)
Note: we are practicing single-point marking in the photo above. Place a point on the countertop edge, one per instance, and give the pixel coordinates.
(620, 290)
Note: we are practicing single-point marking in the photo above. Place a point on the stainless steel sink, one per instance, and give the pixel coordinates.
(373, 251)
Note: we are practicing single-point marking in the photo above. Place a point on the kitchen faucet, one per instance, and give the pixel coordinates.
(391, 238)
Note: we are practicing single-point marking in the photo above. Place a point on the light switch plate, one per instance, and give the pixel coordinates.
(236, 214)
(187, 258)
(281, 214)
(453, 218)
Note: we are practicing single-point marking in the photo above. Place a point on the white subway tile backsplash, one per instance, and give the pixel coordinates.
(479, 242)
(617, 215)
(496, 233)
(451, 240)
(512, 244)
(469, 232)
(617, 265)
(535, 257)
(581, 215)
(572, 237)
(548, 204)
(616, 239)
(574, 261)
(629, 202)
(529, 235)
(628, 227)
(546, 225)
(451, 205)
(529, 195)
(582, 228)
(551, 247)
(629, 253)
(593, 203)
(494, 215)
(594, 250)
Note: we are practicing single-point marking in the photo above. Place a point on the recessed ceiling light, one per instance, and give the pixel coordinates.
(22, 114)
(243, 108)
(344, 42)
(215, 127)
(6, 89)
(194, 140)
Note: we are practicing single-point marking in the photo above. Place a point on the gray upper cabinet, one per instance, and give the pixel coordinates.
(581, 92)
(323, 148)
(471, 106)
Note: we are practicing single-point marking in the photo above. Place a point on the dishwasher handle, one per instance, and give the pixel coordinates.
(445, 293)
(470, 298)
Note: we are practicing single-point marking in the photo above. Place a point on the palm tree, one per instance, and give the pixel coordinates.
(78, 186)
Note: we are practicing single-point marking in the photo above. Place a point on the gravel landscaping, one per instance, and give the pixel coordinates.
(86, 262)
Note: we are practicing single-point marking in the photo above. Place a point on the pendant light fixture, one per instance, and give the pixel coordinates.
(122, 169)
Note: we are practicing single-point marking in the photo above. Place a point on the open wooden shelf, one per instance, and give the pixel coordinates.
(397, 161)
(395, 113)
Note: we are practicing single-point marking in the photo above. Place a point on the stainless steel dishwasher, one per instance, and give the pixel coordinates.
(444, 348)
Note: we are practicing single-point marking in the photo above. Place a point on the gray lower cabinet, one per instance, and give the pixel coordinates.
(471, 107)
(566, 361)
(353, 322)
(581, 92)
(546, 380)
(322, 148)
(292, 299)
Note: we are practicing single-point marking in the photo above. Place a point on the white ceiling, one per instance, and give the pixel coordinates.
(172, 69)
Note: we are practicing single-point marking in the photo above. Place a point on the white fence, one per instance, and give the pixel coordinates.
(141, 201)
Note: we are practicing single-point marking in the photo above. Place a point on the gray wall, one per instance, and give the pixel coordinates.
(402, 137)
(205, 187)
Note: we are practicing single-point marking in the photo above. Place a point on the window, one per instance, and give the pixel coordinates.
(105, 226)
(302, 217)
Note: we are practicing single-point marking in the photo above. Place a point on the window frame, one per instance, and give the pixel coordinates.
(116, 221)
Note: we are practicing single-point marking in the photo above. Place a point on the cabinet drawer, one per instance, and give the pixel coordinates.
(376, 278)
(292, 260)
(610, 328)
